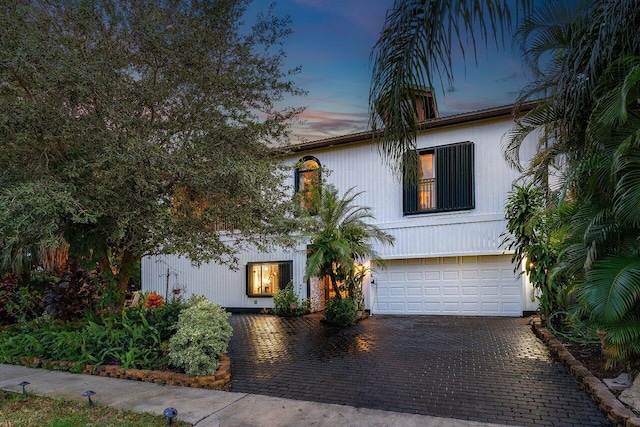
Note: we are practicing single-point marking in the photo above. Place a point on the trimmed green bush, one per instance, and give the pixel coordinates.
(287, 303)
(341, 311)
(202, 336)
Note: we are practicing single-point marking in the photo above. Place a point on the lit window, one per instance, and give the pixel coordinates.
(307, 179)
(445, 180)
(266, 278)
(427, 188)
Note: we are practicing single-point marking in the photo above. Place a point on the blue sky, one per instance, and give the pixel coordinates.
(332, 41)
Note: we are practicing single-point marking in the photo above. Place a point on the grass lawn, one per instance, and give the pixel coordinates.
(18, 411)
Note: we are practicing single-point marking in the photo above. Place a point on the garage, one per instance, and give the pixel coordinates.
(464, 285)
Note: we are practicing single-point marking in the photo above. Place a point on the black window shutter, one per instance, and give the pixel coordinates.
(454, 177)
(296, 183)
(286, 273)
(410, 188)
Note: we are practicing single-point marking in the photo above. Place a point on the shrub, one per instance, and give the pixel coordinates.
(21, 303)
(8, 288)
(287, 303)
(341, 311)
(202, 336)
(73, 295)
(164, 317)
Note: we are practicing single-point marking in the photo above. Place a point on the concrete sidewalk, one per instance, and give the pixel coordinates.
(208, 408)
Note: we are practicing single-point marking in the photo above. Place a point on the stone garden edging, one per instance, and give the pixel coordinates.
(607, 402)
(219, 381)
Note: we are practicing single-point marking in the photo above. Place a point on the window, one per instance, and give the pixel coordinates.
(307, 178)
(265, 278)
(445, 180)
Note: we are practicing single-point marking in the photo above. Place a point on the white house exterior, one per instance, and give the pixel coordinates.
(447, 257)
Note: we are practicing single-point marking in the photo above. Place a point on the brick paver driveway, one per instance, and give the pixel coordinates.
(471, 368)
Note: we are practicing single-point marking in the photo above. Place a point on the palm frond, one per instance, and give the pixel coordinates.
(611, 287)
(414, 50)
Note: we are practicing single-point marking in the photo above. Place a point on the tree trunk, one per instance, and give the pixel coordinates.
(126, 271)
(334, 284)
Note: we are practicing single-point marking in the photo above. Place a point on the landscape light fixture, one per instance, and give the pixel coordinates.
(23, 384)
(170, 413)
(88, 394)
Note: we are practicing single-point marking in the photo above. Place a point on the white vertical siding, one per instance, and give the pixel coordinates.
(219, 283)
(359, 165)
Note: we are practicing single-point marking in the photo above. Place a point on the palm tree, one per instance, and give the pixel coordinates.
(415, 48)
(340, 236)
(590, 118)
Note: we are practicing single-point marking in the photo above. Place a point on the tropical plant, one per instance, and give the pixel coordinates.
(286, 302)
(340, 236)
(529, 235)
(9, 284)
(341, 311)
(73, 296)
(589, 120)
(202, 336)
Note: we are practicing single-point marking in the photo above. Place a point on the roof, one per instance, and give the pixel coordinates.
(455, 119)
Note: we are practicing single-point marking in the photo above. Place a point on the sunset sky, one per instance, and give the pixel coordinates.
(332, 41)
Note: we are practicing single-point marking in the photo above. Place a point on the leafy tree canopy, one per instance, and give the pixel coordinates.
(129, 127)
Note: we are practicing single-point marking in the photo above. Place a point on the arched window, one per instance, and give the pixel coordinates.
(307, 178)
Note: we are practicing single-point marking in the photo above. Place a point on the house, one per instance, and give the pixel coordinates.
(447, 258)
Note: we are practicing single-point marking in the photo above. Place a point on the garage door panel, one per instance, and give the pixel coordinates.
(432, 275)
(482, 285)
(414, 307)
(414, 276)
(469, 274)
(449, 291)
(470, 290)
(397, 291)
(430, 291)
(470, 307)
(414, 291)
(490, 290)
(450, 275)
(490, 274)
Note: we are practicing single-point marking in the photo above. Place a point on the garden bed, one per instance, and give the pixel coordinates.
(219, 381)
(607, 402)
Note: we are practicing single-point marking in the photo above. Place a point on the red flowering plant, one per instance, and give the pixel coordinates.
(153, 300)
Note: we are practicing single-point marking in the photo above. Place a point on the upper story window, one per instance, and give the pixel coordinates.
(307, 179)
(445, 180)
(265, 278)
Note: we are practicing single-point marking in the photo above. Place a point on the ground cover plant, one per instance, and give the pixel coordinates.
(19, 411)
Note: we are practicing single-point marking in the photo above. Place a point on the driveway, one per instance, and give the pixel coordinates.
(470, 368)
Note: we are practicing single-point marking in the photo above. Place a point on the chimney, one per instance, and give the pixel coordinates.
(425, 103)
(422, 97)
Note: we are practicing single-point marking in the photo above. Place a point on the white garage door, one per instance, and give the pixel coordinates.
(478, 285)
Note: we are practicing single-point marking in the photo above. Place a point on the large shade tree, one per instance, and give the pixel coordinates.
(129, 127)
